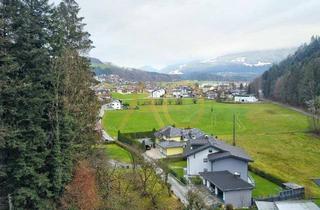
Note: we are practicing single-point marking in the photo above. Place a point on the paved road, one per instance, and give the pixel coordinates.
(178, 189)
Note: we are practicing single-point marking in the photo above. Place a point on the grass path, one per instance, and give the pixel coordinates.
(157, 116)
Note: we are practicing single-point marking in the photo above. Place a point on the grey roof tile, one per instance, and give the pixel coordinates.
(226, 181)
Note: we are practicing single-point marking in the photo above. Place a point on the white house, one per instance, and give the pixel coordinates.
(223, 169)
(158, 93)
(245, 99)
(209, 154)
(115, 104)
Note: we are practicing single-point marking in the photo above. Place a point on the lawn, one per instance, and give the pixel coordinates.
(264, 187)
(178, 167)
(132, 96)
(116, 152)
(275, 137)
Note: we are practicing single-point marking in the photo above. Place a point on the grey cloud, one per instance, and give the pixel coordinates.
(160, 32)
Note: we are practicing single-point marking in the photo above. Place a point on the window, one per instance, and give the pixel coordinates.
(205, 160)
(205, 169)
(210, 150)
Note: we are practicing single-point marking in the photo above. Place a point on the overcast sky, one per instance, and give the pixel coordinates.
(135, 33)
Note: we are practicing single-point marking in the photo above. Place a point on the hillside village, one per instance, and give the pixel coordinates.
(222, 91)
(194, 105)
(215, 169)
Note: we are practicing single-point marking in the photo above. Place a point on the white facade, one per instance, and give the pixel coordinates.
(158, 93)
(199, 162)
(116, 104)
(233, 165)
(245, 99)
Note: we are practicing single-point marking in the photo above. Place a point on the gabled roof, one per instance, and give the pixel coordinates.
(225, 149)
(192, 133)
(226, 181)
(171, 144)
(286, 205)
(168, 131)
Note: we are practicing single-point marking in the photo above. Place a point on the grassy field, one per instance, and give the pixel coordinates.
(264, 187)
(133, 96)
(178, 167)
(275, 137)
(115, 152)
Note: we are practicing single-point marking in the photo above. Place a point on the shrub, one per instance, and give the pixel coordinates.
(267, 176)
(196, 180)
(81, 192)
(229, 207)
(183, 180)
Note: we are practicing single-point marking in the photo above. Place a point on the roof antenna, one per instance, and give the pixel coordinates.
(234, 130)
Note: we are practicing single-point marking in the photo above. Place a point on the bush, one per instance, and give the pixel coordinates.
(173, 173)
(196, 180)
(183, 180)
(229, 207)
(267, 176)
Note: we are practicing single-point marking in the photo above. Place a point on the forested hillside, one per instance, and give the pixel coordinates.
(47, 117)
(295, 80)
(130, 74)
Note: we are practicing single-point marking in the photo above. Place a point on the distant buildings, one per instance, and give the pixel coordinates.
(245, 99)
(158, 93)
(182, 92)
(115, 104)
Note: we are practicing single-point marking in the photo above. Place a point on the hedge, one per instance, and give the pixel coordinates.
(267, 176)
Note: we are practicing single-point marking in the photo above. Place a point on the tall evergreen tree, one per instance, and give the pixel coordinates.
(30, 136)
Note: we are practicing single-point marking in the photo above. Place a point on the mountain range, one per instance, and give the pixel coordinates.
(243, 66)
(129, 74)
(237, 66)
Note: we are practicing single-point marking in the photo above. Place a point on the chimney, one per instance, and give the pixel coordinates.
(236, 174)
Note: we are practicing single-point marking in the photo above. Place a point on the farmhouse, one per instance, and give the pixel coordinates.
(223, 169)
(168, 133)
(245, 99)
(115, 104)
(182, 92)
(158, 93)
(178, 134)
(228, 187)
(170, 148)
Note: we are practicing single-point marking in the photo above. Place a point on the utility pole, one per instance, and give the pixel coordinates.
(234, 130)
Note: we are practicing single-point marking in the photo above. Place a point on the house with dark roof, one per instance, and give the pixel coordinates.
(223, 169)
(170, 148)
(210, 154)
(169, 133)
(171, 140)
(228, 187)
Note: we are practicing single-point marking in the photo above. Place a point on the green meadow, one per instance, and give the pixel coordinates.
(277, 138)
(117, 153)
(133, 96)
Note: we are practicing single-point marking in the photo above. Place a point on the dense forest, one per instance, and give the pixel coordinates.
(295, 80)
(47, 117)
(49, 156)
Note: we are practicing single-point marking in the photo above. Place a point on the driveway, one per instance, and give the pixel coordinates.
(154, 153)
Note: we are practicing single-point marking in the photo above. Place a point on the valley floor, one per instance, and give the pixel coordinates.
(277, 138)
